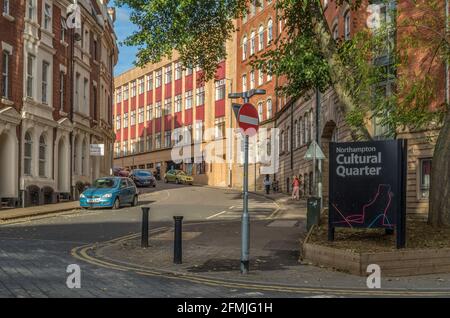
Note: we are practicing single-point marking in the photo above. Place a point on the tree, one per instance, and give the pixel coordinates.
(309, 58)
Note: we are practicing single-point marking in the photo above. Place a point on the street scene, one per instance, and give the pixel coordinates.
(243, 149)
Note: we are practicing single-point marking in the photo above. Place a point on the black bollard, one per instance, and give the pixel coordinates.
(144, 236)
(177, 249)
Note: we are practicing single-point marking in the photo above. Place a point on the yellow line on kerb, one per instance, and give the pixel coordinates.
(82, 253)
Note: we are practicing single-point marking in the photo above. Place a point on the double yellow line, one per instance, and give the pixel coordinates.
(83, 253)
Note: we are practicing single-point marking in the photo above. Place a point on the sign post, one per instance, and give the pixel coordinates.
(368, 186)
(248, 121)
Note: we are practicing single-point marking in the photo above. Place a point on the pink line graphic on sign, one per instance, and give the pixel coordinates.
(383, 193)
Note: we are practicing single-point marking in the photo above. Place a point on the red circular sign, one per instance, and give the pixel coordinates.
(248, 119)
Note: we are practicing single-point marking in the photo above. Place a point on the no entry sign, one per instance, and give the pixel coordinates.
(367, 185)
(248, 119)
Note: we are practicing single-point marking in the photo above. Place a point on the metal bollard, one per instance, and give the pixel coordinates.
(144, 235)
(177, 249)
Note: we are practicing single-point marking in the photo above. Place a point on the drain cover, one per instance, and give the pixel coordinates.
(283, 223)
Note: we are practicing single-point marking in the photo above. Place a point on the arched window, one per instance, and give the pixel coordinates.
(300, 121)
(28, 154)
(306, 128)
(311, 125)
(83, 158)
(244, 47)
(269, 108)
(269, 31)
(252, 43)
(335, 32)
(260, 38)
(42, 156)
(296, 134)
(347, 28)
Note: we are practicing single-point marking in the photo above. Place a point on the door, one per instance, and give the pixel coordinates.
(123, 194)
(131, 190)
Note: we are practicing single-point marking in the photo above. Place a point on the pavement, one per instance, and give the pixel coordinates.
(11, 214)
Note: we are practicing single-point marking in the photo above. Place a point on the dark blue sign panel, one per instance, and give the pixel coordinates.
(366, 184)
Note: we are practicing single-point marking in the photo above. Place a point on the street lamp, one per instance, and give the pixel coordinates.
(245, 241)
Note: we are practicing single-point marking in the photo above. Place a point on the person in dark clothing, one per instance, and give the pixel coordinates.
(267, 184)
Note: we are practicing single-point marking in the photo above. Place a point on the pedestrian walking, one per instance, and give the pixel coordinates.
(267, 184)
(295, 188)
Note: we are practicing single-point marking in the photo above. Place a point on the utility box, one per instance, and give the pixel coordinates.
(313, 212)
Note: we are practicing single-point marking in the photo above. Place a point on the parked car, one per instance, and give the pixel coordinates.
(121, 172)
(178, 176)
(143, 178)
(110, 192)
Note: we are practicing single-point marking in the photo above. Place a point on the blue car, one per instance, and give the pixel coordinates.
(110, 192)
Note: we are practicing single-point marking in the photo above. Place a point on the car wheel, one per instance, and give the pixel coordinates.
(85, 207)
(135, 201)
(154, 185)
(116, 204)
(177, 181)
(165, 180)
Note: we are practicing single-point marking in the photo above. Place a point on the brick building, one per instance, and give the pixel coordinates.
(55, 98)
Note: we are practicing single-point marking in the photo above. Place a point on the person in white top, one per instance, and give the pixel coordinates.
(267, 184)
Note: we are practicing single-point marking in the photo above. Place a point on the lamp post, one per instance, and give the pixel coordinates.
(245, 224)
(230, 140)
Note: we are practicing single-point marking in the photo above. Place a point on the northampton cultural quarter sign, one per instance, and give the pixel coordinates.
(368, 186)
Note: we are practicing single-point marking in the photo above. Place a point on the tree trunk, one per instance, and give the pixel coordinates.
(337, 69)
(439, 213)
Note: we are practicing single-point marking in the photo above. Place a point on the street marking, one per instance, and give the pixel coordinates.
(217, 214)
(231, 207)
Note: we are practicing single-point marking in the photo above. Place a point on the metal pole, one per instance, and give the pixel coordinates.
(245, 216)
(144, 234)
(447, 81)
(177, 251)
(314, 170)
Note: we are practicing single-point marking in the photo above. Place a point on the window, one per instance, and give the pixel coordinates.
(158, 110)
(149, 143)
(188, 97)
(189, 71)
(178, 71)
(347, 25)
(6, 7)
(117, 149)
(133, 118)
(77, 91)
(125, 148)
(133, 88)
(269, 31)
(149, 112)
(296, 132)
(288, 139)
(200, 96)
(244, 47)
(260, 111)
(141, 115)
(335, 32)
(252, 43)
(30, 75)
(301, 133)
(260, 38)
(425, 178)
(167, 106)
(167, 139)
(168, 77)
(199, 131)
(269, 108)
(118, 122)
(61, 91)
(125, 92)
(5, 75)
(42, 156)
(30, 9)
(47, 17)
(220, 89)
(149, 82)
(45, 67)
(260, 77)
(63, 29)
(158, 78)
(125, 120)
(219, 128)
(119, 95)
(305, 128)
(252, 79)
(282, 141)
(141, 86)
(27, 156)
(85, 94)
(244, 83)
(252, 8)
(158, 141)
(94, 50)
(178, 103)
(311, 125)
(133, 146)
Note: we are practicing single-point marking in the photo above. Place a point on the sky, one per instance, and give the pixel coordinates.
(124, 28)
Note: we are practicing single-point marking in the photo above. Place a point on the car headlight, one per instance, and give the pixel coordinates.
(108, 195)
(82, 196)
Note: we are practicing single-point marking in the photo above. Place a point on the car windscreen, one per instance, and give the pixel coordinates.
(104, 183)
(181, 173)
(142, 173)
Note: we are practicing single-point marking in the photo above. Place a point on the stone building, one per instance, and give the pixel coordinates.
(57, 88)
